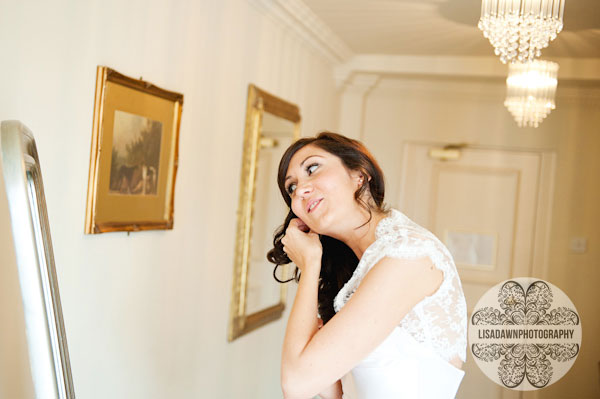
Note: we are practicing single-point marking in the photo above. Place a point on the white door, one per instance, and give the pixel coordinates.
(491, 207)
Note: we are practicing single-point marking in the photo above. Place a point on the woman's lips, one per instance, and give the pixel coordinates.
(318, 202)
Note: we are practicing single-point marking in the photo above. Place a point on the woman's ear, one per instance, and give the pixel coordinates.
(359, 178)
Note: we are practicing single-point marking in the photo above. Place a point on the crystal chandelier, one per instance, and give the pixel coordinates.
(530, 89)
(520, 29)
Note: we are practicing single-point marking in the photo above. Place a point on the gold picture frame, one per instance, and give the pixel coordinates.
(271, 125)
(134, 155)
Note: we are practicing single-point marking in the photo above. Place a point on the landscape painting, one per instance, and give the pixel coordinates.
(135, 155)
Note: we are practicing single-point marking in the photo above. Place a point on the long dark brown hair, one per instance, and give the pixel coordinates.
(338, 261)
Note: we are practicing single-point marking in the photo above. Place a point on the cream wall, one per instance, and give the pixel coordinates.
(146, 314)
(454, 110)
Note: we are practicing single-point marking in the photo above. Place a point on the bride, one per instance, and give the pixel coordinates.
(379, 310)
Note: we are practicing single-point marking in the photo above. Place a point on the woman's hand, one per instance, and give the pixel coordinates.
(302, 246)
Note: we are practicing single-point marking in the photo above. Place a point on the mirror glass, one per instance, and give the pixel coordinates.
(276, 135)
(16, 380)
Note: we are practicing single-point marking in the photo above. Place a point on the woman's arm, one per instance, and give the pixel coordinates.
(313, 358)
(302, 325)
(333, 392)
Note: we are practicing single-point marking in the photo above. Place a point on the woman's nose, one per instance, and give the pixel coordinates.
(304, 189)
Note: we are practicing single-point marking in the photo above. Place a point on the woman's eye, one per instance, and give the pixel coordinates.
(291, 188)
(310, 168)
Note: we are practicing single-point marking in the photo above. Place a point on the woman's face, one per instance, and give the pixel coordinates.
(321, 189)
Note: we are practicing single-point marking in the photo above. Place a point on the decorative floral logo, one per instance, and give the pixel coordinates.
(525, 339)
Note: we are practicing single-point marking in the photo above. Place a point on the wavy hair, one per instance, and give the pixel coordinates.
(338, 261)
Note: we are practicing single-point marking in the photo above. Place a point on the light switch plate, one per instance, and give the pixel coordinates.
(578, 245)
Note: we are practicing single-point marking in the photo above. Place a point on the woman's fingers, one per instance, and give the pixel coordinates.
(302, 226)
(301, 246)
(293, 224)
(299, 224)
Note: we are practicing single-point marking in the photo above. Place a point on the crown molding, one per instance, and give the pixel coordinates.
(298, 17)
(580, 69)
(295, 15)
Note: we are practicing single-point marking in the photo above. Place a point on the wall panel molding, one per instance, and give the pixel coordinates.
(581, 69)
(460, 89)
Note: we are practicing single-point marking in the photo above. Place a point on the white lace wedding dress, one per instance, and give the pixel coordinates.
(413, 361)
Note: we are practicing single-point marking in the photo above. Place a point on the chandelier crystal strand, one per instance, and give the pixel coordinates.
(530, 91)
(520, 29)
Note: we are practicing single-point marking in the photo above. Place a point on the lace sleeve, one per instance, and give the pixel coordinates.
(414, 245)
(440, 318)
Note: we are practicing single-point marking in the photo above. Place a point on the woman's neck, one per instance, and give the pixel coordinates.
(358, 240)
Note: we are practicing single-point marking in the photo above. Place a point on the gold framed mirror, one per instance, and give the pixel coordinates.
(35, 358)
(272, 124)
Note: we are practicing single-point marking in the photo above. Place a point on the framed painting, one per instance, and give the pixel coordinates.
(133, 160)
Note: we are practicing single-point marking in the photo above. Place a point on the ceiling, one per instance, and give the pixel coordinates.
(444, 27)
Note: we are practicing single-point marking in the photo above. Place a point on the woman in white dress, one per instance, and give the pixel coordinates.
(379, 311)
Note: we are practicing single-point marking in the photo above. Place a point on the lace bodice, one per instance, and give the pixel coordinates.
(439, 320)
